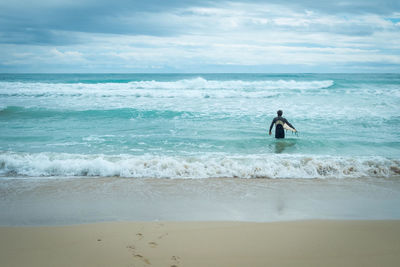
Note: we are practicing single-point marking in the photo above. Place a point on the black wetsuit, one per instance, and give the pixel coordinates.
(279, 131)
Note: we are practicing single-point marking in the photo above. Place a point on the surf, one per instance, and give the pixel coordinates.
(204, 166)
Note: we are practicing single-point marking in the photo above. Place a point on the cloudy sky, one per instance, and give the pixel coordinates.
(199, 36)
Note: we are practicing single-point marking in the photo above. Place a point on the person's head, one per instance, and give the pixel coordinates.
(280, 112)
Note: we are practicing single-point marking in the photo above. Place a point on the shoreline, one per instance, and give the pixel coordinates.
(228, 243)
(91, 200)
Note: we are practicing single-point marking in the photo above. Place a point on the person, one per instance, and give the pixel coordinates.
(279, 122)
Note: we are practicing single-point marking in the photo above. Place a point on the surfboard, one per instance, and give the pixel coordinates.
(287, 127)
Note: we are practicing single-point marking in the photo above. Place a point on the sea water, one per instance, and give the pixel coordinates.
(197, 126)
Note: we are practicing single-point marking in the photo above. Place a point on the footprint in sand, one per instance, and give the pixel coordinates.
(145, 260)
(131, 247)
(175, 261)
(153, 244)
(140, 236)
(162, 236)
(138, 256)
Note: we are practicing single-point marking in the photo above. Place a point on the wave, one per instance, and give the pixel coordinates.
(201, 83)
(196, 83)
(198, 87)
(48, 164)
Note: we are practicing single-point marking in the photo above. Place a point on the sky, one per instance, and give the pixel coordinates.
(156, 36)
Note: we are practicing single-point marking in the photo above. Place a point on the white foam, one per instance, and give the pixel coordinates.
(238, 97)
(201, 83)
(206, 166)
(192, 88)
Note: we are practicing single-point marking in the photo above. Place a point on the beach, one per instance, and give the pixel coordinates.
(109, 221)
(179, 170)
(295, 243)
(236, 133)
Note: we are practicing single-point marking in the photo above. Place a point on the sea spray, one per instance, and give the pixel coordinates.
(206, 166)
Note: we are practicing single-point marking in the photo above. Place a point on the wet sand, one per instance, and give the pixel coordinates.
(56, 201)
(295, 243)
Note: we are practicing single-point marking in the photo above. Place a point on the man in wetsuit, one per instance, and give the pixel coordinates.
(279, 122)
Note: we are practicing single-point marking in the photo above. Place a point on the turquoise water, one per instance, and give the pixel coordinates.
(199, 125)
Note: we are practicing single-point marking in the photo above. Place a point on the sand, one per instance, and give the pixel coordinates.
(296, 243)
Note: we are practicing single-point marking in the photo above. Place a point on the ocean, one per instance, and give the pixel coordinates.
(189, 132)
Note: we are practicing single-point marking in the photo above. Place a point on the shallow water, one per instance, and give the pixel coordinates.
(47, 201)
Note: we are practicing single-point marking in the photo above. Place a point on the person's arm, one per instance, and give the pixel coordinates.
(270, 127)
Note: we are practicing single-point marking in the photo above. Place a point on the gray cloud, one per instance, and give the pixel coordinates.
(37, 22)
(382, 7)
(37, 36)
(89, 35)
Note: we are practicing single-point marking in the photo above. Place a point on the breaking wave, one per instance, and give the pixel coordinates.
(210, 166)
(193, 88)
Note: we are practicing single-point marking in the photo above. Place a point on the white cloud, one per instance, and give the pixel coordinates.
(67, 56)
(232, 34)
